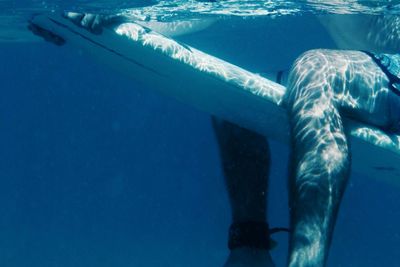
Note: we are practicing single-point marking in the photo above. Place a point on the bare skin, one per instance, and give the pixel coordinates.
(364, 32)
(323, 87)
(245, 161)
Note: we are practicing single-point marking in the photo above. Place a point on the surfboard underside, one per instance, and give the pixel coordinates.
(217, 87)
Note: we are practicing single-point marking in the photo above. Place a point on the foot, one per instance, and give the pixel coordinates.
(248, 257)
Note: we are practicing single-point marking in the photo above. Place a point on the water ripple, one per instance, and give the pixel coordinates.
(14, 14)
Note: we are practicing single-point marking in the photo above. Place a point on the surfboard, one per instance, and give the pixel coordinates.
(215, 86)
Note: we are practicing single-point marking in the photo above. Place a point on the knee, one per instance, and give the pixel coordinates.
(312, 70)
(309, 64)
(314, 58)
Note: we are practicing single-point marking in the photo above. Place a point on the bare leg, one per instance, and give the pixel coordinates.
(245, 159)
(323, 84)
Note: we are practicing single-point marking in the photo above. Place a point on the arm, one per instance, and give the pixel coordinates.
(364, 32)
(95, 23)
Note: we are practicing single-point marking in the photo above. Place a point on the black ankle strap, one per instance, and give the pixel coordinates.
(249, 234)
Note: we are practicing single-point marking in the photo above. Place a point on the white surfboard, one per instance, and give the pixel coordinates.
(215, 86)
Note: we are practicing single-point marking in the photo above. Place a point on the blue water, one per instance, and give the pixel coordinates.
(95, 171)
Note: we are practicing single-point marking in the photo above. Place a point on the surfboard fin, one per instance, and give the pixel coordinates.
(45, 34)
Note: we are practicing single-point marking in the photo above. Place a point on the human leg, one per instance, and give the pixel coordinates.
(324, 85)
(245, 161)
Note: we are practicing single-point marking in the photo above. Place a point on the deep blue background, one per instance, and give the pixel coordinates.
(95, 171)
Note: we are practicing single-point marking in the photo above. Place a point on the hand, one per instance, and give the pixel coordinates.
(92, 22)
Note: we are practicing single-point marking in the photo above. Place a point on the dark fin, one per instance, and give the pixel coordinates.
(45, 34)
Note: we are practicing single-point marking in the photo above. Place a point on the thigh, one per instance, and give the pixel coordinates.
(360, 87)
